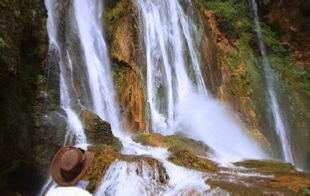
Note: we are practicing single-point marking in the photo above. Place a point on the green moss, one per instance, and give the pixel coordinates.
(141, 138)
(155, 139)
(104, 156)
(266, 165)
(91, 187)
(185, 158)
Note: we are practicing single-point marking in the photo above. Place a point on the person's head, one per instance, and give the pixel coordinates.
(69, 165)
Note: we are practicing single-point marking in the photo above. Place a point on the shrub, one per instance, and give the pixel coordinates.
(232, 16)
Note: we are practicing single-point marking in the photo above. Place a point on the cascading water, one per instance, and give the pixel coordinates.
(177, 95)
(176, 102)
(168, 36)
(100, 100)
(269, 76)
(88, 18)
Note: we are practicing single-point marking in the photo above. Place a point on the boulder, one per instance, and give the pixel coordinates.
(98, 131)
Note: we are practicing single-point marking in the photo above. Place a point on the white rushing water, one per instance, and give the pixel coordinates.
(87, 23)
(176, 102)
(88, 15)
(142, 178)
(269, 74)
(168, 37)
(177, 96)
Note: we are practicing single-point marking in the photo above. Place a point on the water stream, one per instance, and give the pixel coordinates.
(176, 94)
(271, 93)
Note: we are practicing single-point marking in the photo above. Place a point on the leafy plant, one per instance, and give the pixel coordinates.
(306, 191)
(2, 42)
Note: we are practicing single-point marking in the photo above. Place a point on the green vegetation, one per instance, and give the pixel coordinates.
(2, 43)
(231, 16)
(301, 74)
(306, 191)
(272, 41)
(266, 165)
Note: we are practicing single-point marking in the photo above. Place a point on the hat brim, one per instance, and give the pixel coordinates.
(55, 167)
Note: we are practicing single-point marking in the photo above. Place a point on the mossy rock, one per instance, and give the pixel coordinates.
(147, 139)
(266, 165)
(158, 140)
(196, 147)
(151, 164)
(104, 156)
(258, 177)
(99, 131)
(185, 158)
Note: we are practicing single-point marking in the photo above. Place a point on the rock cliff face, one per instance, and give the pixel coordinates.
(243, 82)
(129, 66)
(293, 29)
(122, 30)
(290, 20)
(22, 60)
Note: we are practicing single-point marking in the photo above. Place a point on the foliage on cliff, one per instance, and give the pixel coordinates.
(243, 84)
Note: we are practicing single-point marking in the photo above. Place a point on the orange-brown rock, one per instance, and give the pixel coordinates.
(127, 76)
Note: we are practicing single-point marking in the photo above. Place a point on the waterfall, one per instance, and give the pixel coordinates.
(280, 128)
(88, 17)
(176, 93)
(144, 179)
(74, 126)
(84, 28)
(87, 68)
(168, 36)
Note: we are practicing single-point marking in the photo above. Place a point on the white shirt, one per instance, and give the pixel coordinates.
(77, 190)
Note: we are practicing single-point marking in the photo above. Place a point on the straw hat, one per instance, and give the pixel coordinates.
(69, 165)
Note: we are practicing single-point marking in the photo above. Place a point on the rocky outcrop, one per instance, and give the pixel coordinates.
(168, 141)
(122, 31)
(105, 156)
(248, 177)
(184, 158)
(293, 31)
(23, 49)
(243, 86)
(98, 131)
(263, 177)
(239, 75)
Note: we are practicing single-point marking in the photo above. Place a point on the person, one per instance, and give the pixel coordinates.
(68, 167)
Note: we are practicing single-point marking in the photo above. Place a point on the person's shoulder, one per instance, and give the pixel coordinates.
(62, 191)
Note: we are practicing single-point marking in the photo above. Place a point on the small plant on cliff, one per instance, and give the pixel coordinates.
(306, 191)
(2, 42)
